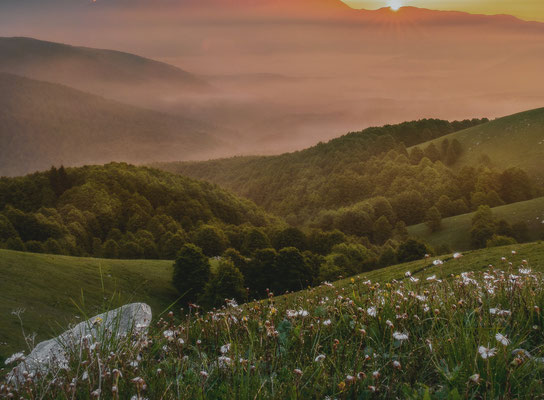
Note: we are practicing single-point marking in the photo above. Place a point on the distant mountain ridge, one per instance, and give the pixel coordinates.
(94, 70)
(44, 124)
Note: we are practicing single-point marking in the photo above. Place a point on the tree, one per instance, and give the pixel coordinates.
(293, 273)
(382, 230)
(387, 258)
(433, 219)
(290, 237)
(412, 250)
(432, 153)
(225, 283)
(191, 272)
(483, 227)
(515, 185)
(255, 239)
(110, 249)
(211, 240)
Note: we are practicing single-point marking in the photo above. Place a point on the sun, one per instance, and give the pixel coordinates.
(394, 4)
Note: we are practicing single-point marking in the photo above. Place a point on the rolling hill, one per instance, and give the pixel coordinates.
(455, 230)
(44, 124)
(105, 72)
(513, 141)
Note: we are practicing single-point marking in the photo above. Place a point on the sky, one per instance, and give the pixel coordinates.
(532, 10)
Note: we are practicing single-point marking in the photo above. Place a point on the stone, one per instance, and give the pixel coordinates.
(52, 354)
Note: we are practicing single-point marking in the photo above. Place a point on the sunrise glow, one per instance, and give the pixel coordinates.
(394, 4)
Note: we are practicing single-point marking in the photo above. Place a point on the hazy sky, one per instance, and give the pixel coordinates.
(532, 10)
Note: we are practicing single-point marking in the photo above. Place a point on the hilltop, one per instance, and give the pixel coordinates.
(44, 124)
(98, 71)
(513, 141)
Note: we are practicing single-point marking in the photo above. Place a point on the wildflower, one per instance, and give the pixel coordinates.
(96, 393)
(487, 353)
(297, 372)
(97, 321)
(400, 336)
(342, 385)
(376, 374)
(503, 259)
(407, 274)
(204, 374)
(168, 334)
(414, 279)
(438, 262)
(371, 311)
(15, 358)
(320, 358)
(372, 388)
(352, 280)
(85, 376)
(224, 362)
(396, 365)
(389, 323)
(525, 271)
(514, 252)
(475, 378)
(225, 348)
(502, 339)
(432, 278)
(457, 256)
(350, 378)
(327, 322)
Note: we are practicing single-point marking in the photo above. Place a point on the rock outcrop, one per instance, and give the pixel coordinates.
(52, 354)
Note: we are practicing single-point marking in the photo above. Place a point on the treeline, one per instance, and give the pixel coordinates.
(120, 211)
(330, 175)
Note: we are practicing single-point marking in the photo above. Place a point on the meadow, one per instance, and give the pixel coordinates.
(425, 329)
(455, 231)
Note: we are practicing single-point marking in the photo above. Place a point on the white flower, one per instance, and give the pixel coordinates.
(327, 322)
(15, 358)
(225, 348)
(457, 255)
(414, 279)
(371, 311)
(203, 374)
(168, 334)
(438, 262)
(407, 274)
(320, 358)
(396, 364)
(514, 252)
(502, 339)
(389, 323)
(525, 271)
(303, 313)
(487, 353)
(475, 378)
(400, 336)
(224, 362)
(432, 278)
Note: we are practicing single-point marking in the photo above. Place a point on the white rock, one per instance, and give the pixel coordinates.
(51, 354)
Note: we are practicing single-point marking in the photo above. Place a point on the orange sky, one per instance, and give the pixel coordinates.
(532, 10)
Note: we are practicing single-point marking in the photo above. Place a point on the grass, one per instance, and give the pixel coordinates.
(47, 286)
(513, 141)
(382, 334)
(455, 230)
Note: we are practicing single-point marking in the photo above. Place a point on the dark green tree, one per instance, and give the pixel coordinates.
(412, 250)
(191, 272)
(433, 219)
(226, 283)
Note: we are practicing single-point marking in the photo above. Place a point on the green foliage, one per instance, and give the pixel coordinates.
(227, 282)
(497, 241)
(211, 240)
(412, 250)
(433, 219)
(484, 226)
(191, 272)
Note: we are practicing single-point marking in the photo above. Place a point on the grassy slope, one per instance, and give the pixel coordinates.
(46, 285)
(513, 141)
(455, 230)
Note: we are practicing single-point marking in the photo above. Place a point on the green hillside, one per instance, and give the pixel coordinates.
(44, 124)
(513, 141)
(455, 230)
(46, 287)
